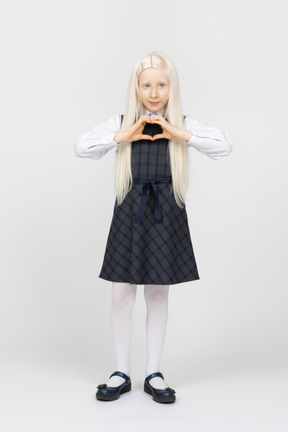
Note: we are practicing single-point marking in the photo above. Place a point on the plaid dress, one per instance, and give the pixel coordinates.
(149, 240)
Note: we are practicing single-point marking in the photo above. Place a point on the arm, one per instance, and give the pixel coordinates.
(207, 139)
(98, 141)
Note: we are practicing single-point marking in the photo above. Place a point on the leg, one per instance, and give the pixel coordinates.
(123, 300)
(156, 297)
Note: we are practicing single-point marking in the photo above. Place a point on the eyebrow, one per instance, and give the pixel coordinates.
(149, 82)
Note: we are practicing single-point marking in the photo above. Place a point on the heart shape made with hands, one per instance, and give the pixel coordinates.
(136, 132)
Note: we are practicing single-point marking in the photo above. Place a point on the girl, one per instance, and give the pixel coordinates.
(149, 241)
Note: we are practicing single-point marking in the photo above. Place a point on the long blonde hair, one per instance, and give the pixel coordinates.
(134, 110)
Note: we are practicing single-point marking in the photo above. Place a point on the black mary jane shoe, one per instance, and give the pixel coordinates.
(105, 393)
(159, 395)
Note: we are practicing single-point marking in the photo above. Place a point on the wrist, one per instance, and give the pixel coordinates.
(185, 135)
(118, 137)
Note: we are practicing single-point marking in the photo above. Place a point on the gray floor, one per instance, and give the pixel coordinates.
(37, 396)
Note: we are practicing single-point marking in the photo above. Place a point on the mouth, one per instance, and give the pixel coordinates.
(154, 103)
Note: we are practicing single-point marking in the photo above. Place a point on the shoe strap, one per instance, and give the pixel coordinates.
(121, 374)
(153, 375)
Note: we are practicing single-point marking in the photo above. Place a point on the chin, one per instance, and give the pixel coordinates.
(154, 109)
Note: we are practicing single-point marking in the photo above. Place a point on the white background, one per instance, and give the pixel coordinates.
(65, 67)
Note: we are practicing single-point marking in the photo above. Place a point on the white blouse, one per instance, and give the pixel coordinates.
(207, 139)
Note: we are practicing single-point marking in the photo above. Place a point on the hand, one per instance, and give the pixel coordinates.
(135, 132)
(169, 131)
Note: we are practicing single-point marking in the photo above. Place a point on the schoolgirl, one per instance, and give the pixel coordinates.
(149, 240)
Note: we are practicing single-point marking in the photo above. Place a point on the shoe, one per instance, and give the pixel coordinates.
(105, 393)
(159, 395)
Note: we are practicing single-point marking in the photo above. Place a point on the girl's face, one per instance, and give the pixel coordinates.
(153, 89)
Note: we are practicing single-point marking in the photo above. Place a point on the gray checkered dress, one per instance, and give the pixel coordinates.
(149, 251)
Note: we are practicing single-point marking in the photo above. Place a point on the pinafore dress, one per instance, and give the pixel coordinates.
(149, 241)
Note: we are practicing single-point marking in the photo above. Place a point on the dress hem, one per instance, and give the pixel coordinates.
(149, 283)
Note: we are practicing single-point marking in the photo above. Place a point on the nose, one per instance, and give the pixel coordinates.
(154, 92)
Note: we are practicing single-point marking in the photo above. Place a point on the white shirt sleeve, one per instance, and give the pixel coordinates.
(99, 140)
(207, 139)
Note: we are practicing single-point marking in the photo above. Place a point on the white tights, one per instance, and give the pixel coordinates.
(123, 300)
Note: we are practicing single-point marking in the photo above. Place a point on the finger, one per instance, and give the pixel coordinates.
(144, 119)
(147, 137)
(155, 137)
(140, 124)
(159, 121)
(158, 117)
(165, 126)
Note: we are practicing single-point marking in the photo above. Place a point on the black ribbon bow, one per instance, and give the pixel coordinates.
(150, 186)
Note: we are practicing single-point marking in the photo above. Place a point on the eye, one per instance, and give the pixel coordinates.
(146, 85)
(162, 85)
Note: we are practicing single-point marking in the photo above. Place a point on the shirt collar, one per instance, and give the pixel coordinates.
(162, 112)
